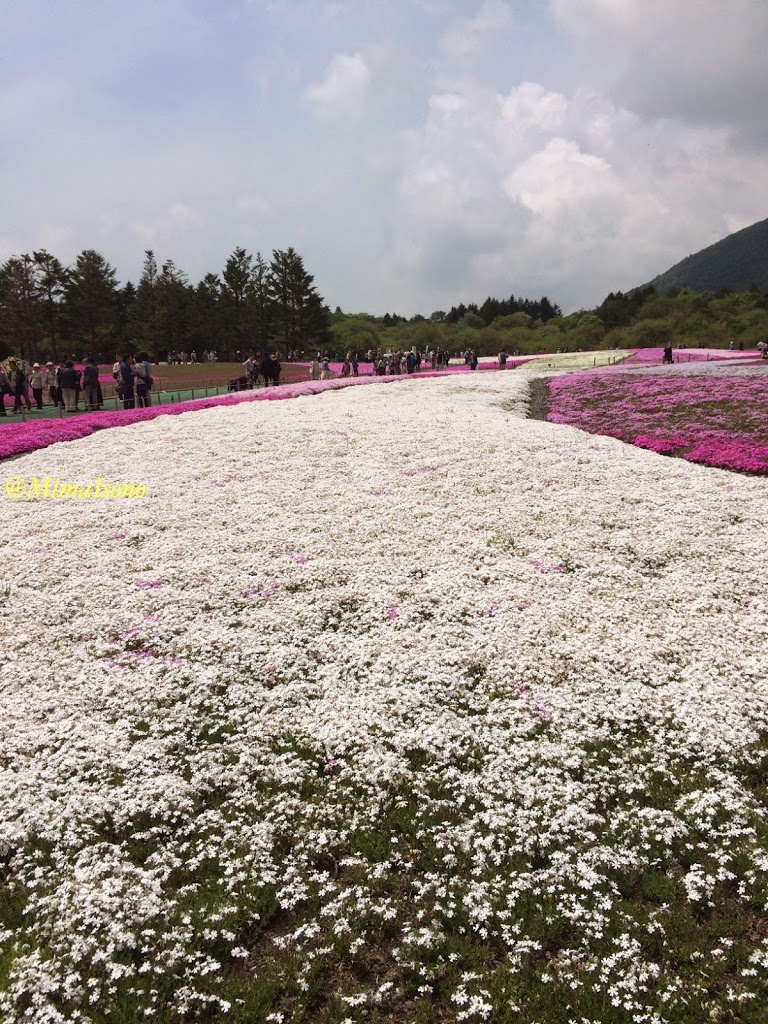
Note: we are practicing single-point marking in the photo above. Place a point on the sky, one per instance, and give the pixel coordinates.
(416, 153)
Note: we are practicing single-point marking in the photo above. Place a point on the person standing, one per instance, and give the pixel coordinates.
(140, 384)
(502, 360)
(266, 369)
(19, 385)
(126, 379)
(251, 372)
(143, 358)
(91, 385)
(78, 387)
(69, 381)
(36, 382)
(50, 382)
(6, 388)
(314, 370)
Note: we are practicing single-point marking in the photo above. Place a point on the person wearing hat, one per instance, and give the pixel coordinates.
(36, 383)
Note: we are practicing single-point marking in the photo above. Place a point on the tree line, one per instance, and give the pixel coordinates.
(638, 319)
(48, 310)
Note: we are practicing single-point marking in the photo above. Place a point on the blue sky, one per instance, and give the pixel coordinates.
(415, 153)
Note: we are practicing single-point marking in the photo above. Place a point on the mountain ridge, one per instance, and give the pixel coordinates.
(735, 262)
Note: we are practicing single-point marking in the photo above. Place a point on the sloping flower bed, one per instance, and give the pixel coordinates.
(20, 438)
(717, 419)
(388, 706)
(690, 355)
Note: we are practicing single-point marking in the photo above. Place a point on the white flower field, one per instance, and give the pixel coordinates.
(386, 704)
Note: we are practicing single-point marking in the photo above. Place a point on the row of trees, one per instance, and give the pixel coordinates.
(48, 310)
(637, 319)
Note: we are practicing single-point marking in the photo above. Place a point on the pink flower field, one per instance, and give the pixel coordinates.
(718, 419)
(652, 356)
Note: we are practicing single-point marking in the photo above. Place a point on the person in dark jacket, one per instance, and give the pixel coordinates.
(91, 385)
(266, 369)
(19, 385)
(69, 381)
(6, 388)
(126, 379)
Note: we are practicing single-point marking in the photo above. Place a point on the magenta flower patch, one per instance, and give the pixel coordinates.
(717, 418)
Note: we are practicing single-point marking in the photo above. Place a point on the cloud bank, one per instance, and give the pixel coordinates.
(417, 154)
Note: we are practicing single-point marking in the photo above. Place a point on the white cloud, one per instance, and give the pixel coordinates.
(466, 38)
(446, 103)
(559, 177)
(499, 151)
(539, 192)
(342, 89)
(530, 105)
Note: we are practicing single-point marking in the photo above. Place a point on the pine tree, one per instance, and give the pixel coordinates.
(19, 306)
(301, 318)
(206, 315)
(261, 318)
(146, 316)
(91, 304)
(236, 288)
(173, 310)
(51, 282)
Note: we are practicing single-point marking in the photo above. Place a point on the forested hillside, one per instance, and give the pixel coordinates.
(735, 262)
(637, 320)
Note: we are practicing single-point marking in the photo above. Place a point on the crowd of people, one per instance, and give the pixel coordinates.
(133, 380)
(66, 385)
(63, 385)
(268, 369)
(185, 358)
